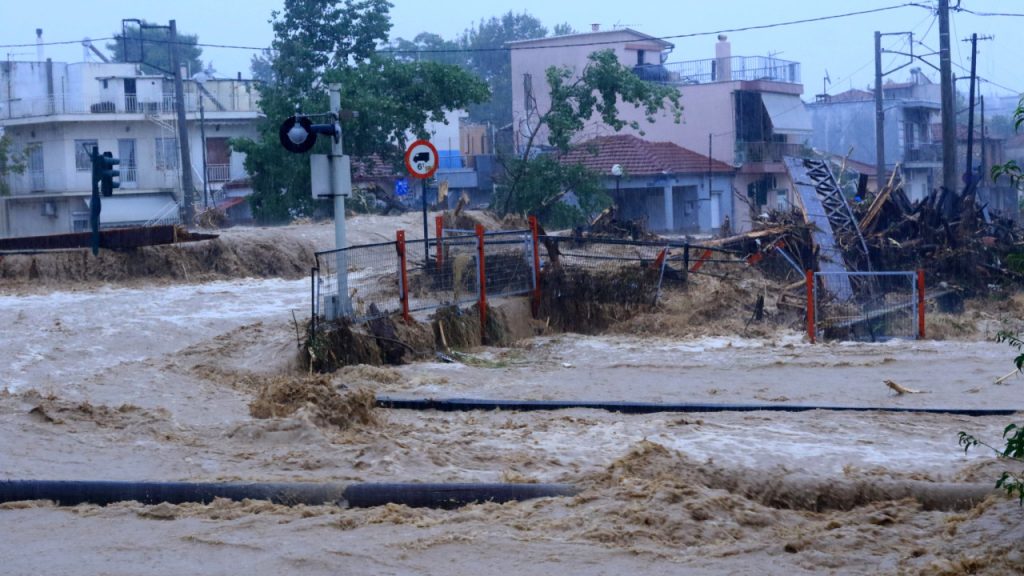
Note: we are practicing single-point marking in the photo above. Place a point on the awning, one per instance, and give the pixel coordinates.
(788, 114)
(136, 209)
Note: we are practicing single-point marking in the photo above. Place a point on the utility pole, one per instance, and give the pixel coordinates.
(188, 210)
(879, 114)
(984, 158)
(969, 173)
(948, 111)
(970, 116)
(340, 186)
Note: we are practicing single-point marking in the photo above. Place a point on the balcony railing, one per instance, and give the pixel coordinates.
(218, 172)
(923, 153)
(759, 152)
(747, 68)
(66, 104)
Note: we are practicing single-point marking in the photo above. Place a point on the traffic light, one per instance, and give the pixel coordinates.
(107, 173)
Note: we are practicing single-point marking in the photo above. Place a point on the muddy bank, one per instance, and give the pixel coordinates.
(273, 256)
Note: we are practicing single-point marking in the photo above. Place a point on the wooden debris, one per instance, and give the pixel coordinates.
(901, 390)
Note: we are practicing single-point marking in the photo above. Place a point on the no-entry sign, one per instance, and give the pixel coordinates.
(421, 159)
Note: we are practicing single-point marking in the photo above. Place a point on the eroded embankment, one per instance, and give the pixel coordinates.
(250, 256)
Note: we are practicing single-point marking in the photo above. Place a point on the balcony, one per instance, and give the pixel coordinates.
(736, 68)
(218, 172)
(227, 100)
(765, 152)
(923, 153)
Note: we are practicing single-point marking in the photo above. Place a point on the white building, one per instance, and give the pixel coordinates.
(56, 112)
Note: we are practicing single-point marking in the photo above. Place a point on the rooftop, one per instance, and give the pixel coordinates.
(641, 158)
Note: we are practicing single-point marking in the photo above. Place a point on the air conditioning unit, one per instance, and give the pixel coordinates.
(50, 208)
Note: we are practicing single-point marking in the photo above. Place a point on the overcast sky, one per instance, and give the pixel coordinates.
(843, 47)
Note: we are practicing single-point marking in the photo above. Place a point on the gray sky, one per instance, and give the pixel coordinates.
(843, 47)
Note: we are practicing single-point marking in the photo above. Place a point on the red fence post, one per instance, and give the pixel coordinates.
(536, 266)
(404, 276)
(920, 303)
(809, 278)
(439, 228)
(482, 304)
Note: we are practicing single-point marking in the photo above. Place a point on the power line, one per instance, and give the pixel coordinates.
(675, 36)
(975, 13)
(580, 44)
(61, 43)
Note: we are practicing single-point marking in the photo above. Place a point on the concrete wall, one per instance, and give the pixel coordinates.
(679, 204)
(565, 51)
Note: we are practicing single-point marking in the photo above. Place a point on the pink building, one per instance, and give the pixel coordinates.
(743, 111)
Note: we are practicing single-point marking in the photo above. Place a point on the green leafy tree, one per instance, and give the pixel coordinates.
(319, 42)
(10, 163)
(487, 58)
(1012, 481)
(429, 47)
(152, 47)
(563, 29)
(1012, 169)
(531, 183)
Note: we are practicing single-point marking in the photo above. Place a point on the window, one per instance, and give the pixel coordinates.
(83, 163)
(166, 153)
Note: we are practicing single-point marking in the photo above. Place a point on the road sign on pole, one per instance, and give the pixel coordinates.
(421, 161)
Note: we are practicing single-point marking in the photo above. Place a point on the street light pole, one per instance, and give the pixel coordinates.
(202, 136)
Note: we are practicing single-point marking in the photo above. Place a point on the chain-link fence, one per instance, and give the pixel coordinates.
(606, 270)
(371, 279)
(871, 306)
(508, 263)
(450, 277)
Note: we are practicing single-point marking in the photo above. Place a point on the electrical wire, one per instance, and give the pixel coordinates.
(580, 44)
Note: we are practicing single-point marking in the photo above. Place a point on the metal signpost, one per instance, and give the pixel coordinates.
(421, 161)
(331, 177)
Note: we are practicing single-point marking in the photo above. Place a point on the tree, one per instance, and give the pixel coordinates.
(531, 183)
(318, 42)
(10, 163)
(430, 47)
(489, 59)
(1012, 481)
(1012, 169)
(563, 29)
(152, 47)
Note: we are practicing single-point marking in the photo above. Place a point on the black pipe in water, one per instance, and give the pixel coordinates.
(447, 496)
(466, 404)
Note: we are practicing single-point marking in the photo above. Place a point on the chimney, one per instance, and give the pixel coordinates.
(39, 45)
(595, 27)
(723, 58)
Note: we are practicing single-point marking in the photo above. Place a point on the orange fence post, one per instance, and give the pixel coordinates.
(809, 278)
(536, 265)
(483, 283)
(400, 243)
(439, 230)
(920, 303)
(700, 261)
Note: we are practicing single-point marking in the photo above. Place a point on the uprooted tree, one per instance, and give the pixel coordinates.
(319, 42)
(537, 183)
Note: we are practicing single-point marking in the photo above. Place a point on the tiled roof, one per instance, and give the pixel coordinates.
(852, 95)
(641, 158)
(373, 167)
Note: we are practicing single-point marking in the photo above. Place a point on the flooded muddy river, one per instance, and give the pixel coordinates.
(155, 383)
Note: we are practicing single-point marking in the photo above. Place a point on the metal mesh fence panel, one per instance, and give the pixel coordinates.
(606, 270)
(508, 263)
(372, 278)
(452, 279)
(868, 306)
